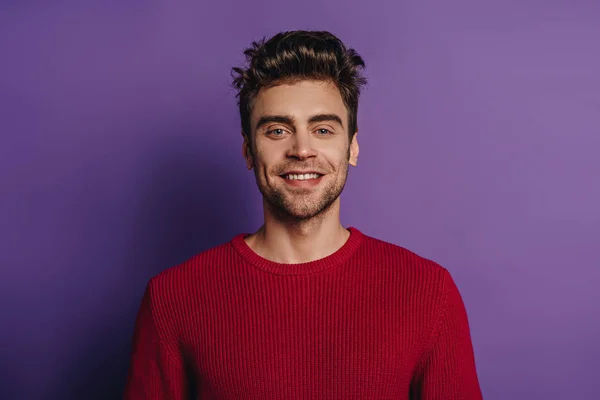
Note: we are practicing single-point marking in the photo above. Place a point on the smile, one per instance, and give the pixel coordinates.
(305, 180)
(301, 177)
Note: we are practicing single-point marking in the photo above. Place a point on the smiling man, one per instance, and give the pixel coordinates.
(299, 148)
(303, 308)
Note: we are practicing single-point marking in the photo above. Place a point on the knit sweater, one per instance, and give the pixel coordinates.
(370, 321)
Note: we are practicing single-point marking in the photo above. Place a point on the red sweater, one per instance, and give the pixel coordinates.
(371, 321)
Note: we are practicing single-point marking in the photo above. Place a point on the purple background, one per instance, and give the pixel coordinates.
(120, 156)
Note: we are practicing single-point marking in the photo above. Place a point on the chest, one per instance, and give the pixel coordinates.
(300, 343)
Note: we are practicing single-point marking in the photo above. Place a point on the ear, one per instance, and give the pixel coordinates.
(247, 151)
(354, 150)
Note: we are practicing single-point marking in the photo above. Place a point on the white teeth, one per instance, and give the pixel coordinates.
(302, 177)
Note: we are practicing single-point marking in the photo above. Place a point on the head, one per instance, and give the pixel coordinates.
(298, 102)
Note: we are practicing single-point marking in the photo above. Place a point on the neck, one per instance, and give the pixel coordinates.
(291, 241)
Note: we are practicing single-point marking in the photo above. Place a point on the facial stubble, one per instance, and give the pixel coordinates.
(297, 206)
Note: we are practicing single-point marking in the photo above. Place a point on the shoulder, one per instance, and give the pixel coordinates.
(397, 256)
(187, 275)
(407, 269)
(174, 293)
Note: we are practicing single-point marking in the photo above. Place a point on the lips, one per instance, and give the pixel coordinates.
(301, 172)
(302, 179)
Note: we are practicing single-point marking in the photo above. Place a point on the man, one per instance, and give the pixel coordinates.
(303, 308)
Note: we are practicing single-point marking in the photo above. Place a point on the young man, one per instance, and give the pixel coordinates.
(303, 308)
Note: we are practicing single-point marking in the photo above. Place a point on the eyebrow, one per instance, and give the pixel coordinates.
(288, 120)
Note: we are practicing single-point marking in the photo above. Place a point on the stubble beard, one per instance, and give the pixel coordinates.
(300, 207)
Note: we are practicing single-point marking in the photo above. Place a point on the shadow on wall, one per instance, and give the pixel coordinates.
(188, 199)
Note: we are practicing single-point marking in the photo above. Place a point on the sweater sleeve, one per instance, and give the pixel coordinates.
(156, 370)
(447, 371)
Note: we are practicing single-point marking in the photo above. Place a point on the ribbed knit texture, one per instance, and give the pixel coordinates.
(371, 321)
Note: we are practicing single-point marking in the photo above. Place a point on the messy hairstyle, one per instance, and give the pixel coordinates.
(294, 56)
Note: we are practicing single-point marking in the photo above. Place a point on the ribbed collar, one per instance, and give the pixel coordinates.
(322, 264)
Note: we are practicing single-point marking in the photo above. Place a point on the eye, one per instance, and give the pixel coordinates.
(323, 131)
(276, 132)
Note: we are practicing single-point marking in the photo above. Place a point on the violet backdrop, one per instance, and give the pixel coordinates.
(120, 156)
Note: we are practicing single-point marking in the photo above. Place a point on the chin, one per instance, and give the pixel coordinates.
(300, 206)
(303, 214)
(304, 211)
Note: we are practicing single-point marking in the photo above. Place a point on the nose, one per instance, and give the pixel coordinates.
(302, 146)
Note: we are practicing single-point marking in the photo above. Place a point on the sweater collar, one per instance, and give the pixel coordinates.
(322, 264)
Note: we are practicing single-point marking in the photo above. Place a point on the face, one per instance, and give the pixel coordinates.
(300, 148)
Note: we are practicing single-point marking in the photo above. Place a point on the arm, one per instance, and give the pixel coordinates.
(156, 370)
(447, 370)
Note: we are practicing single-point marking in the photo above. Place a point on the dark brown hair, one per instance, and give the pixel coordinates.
(299, 55)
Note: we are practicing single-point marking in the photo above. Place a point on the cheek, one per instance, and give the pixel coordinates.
(335, 157)
(265, 166)
(269, 155)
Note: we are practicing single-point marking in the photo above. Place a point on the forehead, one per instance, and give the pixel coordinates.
(299, 100)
